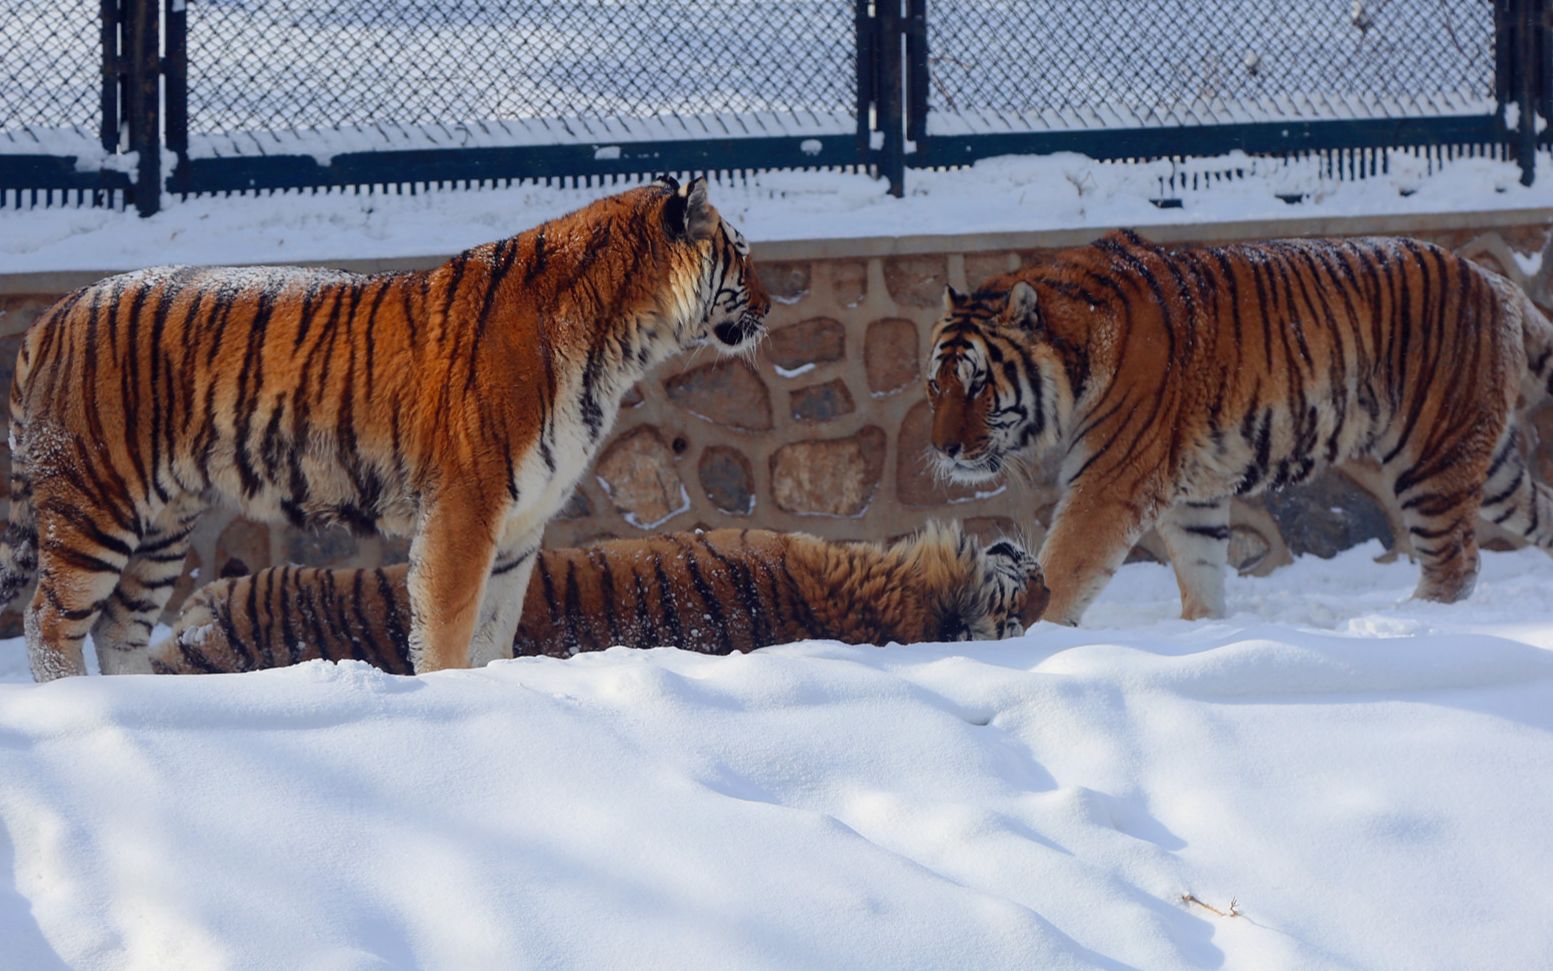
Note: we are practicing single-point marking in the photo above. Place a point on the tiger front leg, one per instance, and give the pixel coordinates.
(450, 565)
(502, 606)
(1091, 534)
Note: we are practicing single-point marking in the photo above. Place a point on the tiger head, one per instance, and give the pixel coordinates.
(995, 387)
(1013, 587)
(727, 305)
(982, 591)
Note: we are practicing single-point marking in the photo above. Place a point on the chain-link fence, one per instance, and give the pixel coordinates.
(1001, 65)
(1115, 79)
(51, 83)
(266, 94)
(353, 75)
(59, 116)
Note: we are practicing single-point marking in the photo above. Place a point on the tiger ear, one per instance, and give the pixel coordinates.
(688, 213)
(700, 220)
(1021, 307)
(952, 298)
(668, 182)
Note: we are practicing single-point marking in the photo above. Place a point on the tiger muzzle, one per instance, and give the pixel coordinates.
(737, 333)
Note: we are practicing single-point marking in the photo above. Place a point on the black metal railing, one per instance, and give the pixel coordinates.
(283, 94)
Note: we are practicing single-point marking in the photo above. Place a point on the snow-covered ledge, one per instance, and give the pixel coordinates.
(1013, 203)
(15, 279)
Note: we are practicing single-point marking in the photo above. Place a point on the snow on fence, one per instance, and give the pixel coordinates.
(284, 94)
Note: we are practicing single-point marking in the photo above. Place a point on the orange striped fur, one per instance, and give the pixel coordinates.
(457, 406)
(1171, 379)
(716, 592)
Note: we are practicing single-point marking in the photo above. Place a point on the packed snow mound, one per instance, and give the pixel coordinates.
(1367, 779)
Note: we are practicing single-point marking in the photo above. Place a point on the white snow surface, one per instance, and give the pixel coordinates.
(1008, 194)
(1368, 778)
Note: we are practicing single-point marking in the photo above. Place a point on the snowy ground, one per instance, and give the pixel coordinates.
(1368, 779)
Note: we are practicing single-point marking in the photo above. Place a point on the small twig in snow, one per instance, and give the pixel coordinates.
(1233, 911)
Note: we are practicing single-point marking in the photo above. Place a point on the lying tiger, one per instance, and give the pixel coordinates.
(1173, 378)
(714, 592)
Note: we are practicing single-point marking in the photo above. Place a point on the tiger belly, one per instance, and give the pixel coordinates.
(1280, 445)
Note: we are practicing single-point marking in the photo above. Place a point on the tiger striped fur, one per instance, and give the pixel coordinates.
(1174, 379)
(457, 406)
(715, 592)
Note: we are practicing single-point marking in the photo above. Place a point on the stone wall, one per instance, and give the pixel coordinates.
(825, 428)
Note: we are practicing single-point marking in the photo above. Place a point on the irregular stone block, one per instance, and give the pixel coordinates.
(829, 477)
(849, 282)
(797, 348)
(980, 266)
(393, 549)
(1247, 548)
(1327, 515)
(242, 548)
(578, 506)
(725, 393)
(20, 310)
(637, 472)
(991, 528)
(9, 347)
(728, 480)
(890, 356)
(821, 402)
(917, 281)
(786, 282)
(323, 547)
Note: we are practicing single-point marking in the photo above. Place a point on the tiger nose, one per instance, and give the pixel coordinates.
(951, 449)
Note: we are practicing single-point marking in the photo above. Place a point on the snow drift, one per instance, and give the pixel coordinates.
(1367, 778)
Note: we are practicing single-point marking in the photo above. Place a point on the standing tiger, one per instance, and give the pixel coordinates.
(457, 405)
(715, 592)
(1173, 379)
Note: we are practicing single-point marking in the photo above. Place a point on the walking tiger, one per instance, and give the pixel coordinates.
(1174, 378)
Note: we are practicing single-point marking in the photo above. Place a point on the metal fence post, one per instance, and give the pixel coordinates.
(143, 101)
(916, 70)
(1516, 73)
(890, 106)
(1542, 58)
(175, 89)
(1525, 92)
(112, 75)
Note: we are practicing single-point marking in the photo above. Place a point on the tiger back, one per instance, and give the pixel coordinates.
(715, 592)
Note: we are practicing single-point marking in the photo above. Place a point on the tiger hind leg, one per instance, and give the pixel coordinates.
(82, 552)
(1441, 513)
(123, 629)
(1196, 535)
(1513, 500)
(18, 543)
